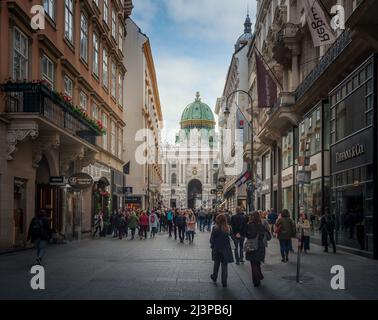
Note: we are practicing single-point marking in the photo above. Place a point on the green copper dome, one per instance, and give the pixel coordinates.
(197, 115)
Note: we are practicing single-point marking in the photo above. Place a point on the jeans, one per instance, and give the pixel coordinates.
(191, 236)
(201, 224)
(181, 232)
(332, 240)
(285, 248)
(305, 243)
(153, 231)
(132, 233)
(41, 247)
(170, 225)
(208, 223)
(217, 264)
(143, 231)
(175, 231)
(239, 249)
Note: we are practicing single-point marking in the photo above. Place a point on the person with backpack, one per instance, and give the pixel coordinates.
(181, 224)
(238, 228)
(154, 223)
(40, 234)
(170, 222)
(221, 248)
(286, 230)
(133, 224)
(255, 247)
(327, 228)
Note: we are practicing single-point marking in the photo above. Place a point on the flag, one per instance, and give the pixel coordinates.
(243, 179)
(318, 24)
(266, 86)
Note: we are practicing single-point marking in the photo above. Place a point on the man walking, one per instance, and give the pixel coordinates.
(39, 234)
(181, 224)
(327, 227)
(272, 219)
(170, 222)
(238, 227)
(201, 220)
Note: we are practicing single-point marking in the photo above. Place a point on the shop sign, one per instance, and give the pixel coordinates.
(134, 200)
(303, 177)
(353, 152)
(58, 181)
(350, 153)
(80, 181)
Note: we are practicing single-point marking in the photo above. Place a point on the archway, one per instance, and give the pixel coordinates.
(194, 194)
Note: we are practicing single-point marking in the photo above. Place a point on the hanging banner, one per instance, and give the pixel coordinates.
(266, 86)
(318, 23)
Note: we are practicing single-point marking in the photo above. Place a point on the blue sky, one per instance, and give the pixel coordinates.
(192, 43)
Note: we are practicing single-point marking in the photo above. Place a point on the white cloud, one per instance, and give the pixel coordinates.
(215, 20)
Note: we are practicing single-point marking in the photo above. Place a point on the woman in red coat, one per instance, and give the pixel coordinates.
(143, 223)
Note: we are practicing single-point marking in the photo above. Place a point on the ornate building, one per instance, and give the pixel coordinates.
(190, 165)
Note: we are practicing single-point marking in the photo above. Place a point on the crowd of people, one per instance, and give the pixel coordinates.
(250, 233)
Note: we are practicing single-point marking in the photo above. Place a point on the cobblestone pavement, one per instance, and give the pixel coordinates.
(165, 269)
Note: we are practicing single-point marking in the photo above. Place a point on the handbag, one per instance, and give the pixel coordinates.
(251, 245)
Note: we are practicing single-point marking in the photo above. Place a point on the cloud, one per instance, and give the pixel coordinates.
(213, 20)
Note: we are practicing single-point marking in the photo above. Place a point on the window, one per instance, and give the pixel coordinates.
(105, 136)
(174, 165)
(114, 24)
(120, 139)
(20, 55)
(105, 75)
(83, 101)
(120, 35)
(49, 6)
(48, 70)
(120, 90)
(96, 2)
(68, 20)
(84, 37)
(96, 52)
(266, 167)
(95, 111)
(114, 79)
(113, 137)
(68, 86)
(173, 179)
(106, 11)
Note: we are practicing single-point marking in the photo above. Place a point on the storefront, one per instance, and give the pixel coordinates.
(353, 165)
(117, 189)
(313, 157)
(133, 202)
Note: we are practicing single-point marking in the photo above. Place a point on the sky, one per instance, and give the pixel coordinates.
(192, 44)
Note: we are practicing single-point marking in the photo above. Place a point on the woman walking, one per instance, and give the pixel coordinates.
(304, 227)
(255, 247)
(143, 223)
(133, 224)
(191, 225)
(221, 248)
(286, 230)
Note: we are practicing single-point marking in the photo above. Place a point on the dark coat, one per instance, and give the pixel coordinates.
(253, 231)
(327, 227)
(47, 232)
(239, 224)
(221, 247)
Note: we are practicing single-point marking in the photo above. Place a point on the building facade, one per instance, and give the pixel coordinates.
(190, 166)
(237, 102)
(61, 111)
(310, 152)
(142, 135)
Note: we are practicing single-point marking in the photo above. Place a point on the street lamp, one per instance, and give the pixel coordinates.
(226, 113)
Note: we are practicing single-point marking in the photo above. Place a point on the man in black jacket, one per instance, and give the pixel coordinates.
(181, 224)
(238, 226)
(40, 234)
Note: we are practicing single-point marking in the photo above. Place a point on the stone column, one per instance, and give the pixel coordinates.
(294, 68)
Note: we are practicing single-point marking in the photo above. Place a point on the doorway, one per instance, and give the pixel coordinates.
(194, 194)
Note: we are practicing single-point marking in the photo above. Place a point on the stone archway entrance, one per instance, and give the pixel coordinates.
(194, 194)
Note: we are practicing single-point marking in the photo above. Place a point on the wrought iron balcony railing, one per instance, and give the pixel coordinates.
(37, 98)
(330, 56)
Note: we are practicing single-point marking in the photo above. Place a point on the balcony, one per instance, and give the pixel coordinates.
(284, 40)
(38, 100)
(328, 59)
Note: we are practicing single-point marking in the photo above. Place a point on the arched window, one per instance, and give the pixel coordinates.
(173, 179)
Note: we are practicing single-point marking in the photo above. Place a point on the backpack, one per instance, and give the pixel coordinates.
(152, 219)
(37, 228)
